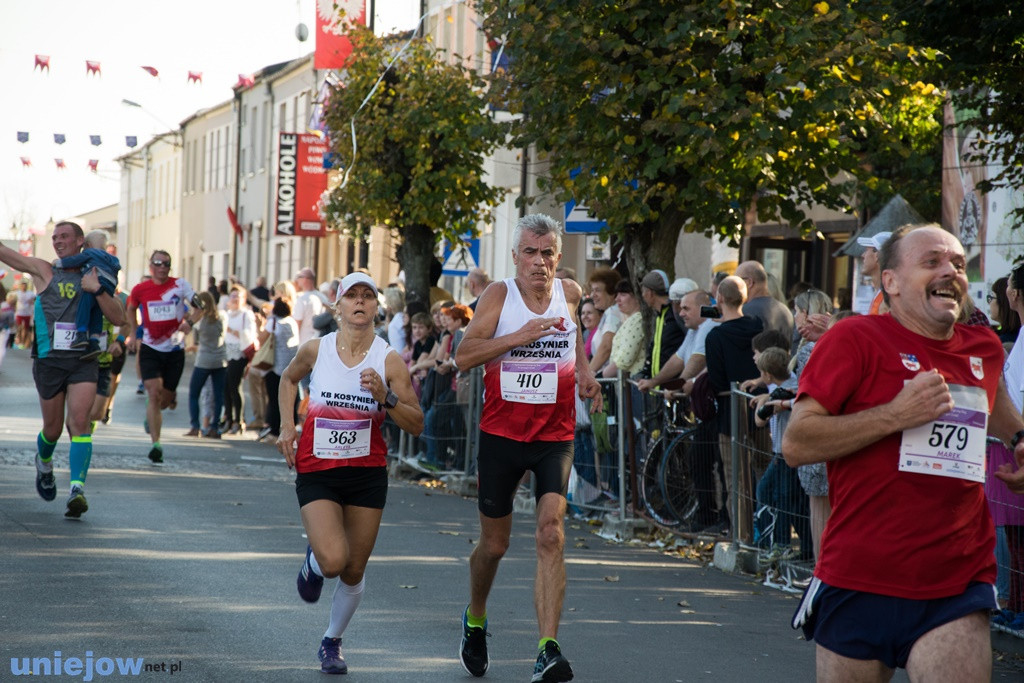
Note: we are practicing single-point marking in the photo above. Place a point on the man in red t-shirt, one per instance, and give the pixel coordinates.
(899, 406)
(162, 302)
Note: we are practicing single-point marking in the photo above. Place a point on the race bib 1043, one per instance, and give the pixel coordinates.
(162, 311)
(954, 444)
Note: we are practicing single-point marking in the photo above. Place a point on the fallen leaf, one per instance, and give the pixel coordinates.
(449, 533)
(684, 603)
(407, 586)
(611, 579)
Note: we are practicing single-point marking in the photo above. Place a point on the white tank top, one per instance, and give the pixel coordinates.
(342, 427)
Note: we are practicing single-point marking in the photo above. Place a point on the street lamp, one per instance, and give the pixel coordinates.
(173, 130)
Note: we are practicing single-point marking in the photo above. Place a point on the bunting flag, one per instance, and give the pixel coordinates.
(131, 140)
(95, 140)
(42, 62)
(60, 164)
(93, 165)
(233, 219)
(244, 81)
(195, 77)
(59, 139)
(332, 45)
(22, 136)
(151, 70)
(26, 162)
(92, 67)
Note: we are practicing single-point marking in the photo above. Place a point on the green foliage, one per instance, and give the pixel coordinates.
(685, 112)
(421, 142)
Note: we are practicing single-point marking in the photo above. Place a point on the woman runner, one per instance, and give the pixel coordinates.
(357, 378)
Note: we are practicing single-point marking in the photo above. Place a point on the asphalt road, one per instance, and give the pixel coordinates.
(191, 567)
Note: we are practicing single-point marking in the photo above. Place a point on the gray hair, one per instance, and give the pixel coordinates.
(97, 239)
(540, 225)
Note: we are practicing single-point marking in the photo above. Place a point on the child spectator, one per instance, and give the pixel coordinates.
(89, 319)
(779, 488)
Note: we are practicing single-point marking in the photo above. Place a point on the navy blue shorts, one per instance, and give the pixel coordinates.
(868, 626)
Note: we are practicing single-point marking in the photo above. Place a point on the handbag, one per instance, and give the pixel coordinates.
(263, 357)
(250, 350)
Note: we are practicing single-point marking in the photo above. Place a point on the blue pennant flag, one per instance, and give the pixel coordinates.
(131, 140)
(22, 136)
(59, 138)
(95, 140)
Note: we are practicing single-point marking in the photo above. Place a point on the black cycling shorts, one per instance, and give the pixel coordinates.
(167, 365)
(365, 487)
(503, 462)
(53, 375)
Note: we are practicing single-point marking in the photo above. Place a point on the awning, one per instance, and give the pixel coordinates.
(893, 215)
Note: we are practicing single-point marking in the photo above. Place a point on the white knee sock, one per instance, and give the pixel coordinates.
(314, 566)
(346, 600)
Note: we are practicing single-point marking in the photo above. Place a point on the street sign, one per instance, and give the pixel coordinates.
(577, 220)
(461, 259)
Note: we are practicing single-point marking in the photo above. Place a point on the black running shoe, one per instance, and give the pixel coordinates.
(76, 503)
(156, 455)
(551, 666)
(473, 653)
(46, 487)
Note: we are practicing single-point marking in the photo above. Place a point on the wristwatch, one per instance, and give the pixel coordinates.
(1015, 439)
(391, 400)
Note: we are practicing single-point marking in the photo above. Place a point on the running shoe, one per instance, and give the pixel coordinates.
(76, 503)
(156, 455)
(106, 417)
(264, 433)
(331, 659)
(473, 653)
(551, 666)
(309, 582)
(46, 487)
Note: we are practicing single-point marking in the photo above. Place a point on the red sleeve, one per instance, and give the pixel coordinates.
(835, 368)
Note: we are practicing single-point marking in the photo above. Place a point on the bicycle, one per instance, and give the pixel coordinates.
(665, 482)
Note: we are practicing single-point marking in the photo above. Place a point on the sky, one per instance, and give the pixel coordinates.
(220, 38)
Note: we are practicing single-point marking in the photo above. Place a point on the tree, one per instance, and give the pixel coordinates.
(684, 114)
(417, 166)
(982, 42)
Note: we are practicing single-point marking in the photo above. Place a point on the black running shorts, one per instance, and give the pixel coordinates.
(103, 382)
(365, 487)
(167, 365)
(53, 375)
(503, 462)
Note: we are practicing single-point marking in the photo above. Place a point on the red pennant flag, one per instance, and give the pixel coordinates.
(233, 219)
(60, 163)
(244, 81)
(151, 71)
(93, 164)
(332, 45)
(92, 68)
(42, 62)
(195, 76)
(26, 162)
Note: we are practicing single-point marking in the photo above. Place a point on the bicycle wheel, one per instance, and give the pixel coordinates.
(676, 479)
(651, 491)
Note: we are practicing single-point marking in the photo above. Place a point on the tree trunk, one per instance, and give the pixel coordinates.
(415, 254)
(647, 247)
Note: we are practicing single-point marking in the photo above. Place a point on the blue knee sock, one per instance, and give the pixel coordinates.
(79, 457)
(44, 448)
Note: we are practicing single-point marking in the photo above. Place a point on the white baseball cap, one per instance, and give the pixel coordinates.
(353, 279)
(681, 288)
(876, 241)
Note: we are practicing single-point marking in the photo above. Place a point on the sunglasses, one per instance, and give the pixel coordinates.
(990, 298)
(160, 264)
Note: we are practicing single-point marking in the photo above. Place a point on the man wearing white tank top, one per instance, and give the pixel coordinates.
(526, 335)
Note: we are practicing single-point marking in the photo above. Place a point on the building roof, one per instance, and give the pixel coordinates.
(893, 215)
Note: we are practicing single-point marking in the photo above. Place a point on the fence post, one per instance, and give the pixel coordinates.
(621, 438)
(734, 428)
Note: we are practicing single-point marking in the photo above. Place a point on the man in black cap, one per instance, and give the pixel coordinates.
(668, 334)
